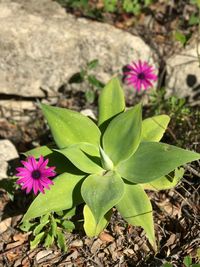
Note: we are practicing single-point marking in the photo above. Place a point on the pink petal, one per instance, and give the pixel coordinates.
(35, 187)
(44, 163)
(27, 165)
(41, 160)
(33, 162)
(29, 188)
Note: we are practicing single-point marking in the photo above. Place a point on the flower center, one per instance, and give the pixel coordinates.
(36, 174)
(141, 76)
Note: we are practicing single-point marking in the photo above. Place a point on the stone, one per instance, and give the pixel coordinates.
(183, 74)
(8, 152)
(42, 47)
(16, 109)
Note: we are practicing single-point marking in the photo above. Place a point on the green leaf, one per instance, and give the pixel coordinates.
(38, 151)
(92, 64)
(111, 102)
(179, 36)
(101, 193)
(167, 264)
(110, 5)
(64, 194)
(37, 240)
(135, 207)
(70, 127)
(53, 226)
(56, 159)
(61, 240)
(39, 228)
(84, 156)
(154, 128)
(68, 213)
(45, 218)
(105, 160)
(193, 20)
(90, 96)
(187, 261)
(48, 240)
(165, 182)
(27, 226)
(122, 136)
(153, 160)
(95, 82)
(91, 228)
(68, 225)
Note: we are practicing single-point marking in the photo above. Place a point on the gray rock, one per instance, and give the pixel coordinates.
(41, 47)
(183, 74)
(7, 152)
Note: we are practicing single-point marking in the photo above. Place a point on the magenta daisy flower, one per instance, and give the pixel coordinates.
(140, 74)
(34, 175)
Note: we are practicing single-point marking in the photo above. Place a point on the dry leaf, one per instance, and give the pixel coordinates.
(106, 237)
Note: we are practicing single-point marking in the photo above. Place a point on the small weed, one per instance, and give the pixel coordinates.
(50, 228)
(85, 76)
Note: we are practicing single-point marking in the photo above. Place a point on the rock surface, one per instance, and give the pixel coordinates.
(183, 74)
(8, 152)
(41, 47)
(16, 109)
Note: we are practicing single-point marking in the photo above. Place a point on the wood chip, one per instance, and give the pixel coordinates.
(106, 237)
(5, 224)
(43, 254)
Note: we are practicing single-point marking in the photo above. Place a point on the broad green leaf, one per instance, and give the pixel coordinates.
(111, 101)
(165, 182)
(64, 194)
(70, 127)
(38, 151)
(84, 156)
(102, 192)
(91, 228)
(61, 163)
(153, 160)
(122, 136)
(135, 207)
(56, 159)
(154, 128)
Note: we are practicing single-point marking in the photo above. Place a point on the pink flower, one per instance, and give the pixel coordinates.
(140, 75)
(34, 175)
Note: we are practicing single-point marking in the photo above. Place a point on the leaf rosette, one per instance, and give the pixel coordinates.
(108, 165)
